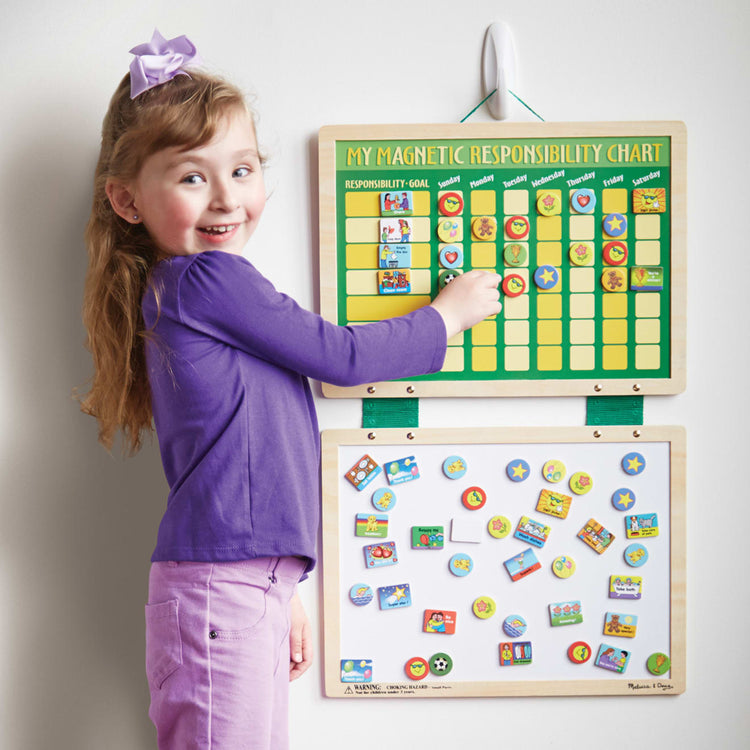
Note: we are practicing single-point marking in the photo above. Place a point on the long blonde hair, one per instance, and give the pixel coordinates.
(184, 113)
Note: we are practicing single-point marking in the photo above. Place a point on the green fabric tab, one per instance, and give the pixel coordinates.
(608, 410)
(390, 412)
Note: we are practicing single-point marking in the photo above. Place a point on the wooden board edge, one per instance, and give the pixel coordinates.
(508, 388)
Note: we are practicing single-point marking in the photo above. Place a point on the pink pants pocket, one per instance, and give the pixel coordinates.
(163, 642)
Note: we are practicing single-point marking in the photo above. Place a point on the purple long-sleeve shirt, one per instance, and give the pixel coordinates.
(228, 362)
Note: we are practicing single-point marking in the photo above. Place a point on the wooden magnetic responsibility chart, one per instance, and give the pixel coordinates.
(454, 533)
(584, 221)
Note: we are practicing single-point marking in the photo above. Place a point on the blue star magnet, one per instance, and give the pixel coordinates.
(633, 464)
(615, 225)
(623, 499)
(518, 470)
(546, 277)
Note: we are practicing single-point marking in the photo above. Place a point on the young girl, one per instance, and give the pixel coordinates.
(184, 330)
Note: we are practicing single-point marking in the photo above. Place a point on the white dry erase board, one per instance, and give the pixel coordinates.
(369, 649)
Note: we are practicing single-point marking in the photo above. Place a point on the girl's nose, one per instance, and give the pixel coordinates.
(223, 198)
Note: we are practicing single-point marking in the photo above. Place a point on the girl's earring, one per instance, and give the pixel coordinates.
(135, 217)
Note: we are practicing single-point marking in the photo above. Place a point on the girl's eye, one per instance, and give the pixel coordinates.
(241, 172)
(192, 179)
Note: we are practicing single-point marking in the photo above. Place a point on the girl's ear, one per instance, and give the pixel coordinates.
(122, 201)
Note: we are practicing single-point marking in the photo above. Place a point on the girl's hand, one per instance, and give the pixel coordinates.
(468, 299)
(300, 640)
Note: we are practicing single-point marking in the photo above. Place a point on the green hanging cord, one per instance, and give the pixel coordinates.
(515, 96)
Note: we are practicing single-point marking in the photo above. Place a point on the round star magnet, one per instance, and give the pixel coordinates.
(518, 470)
(623, 499)
(546, 277)
(633, 464)
(615, 225)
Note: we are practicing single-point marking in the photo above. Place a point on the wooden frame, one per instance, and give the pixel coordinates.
(464, 386)
(341, 502)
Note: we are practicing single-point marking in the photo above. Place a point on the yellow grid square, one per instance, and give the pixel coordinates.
(483, 254)
(549, 306)
(516, 308)
(549, 254)
(614, 357)
(647, 357)
(517, 332)
(484, 358)
(615, 331)
(549, 358)
(582, 305)
(647, 305)
(647, 331)
(582, 332)
(454, 359)
(548, 228)
(582, 228)
(516, 202)
(484, 333)
(422, 202)
(361, 256)
(582, 280)
(549, 332)
(647, 226)
(457, 340)
(420, 254)
(614, 200)
(647, 253)
(615, 306)
(582, 357)
(369, 308)
(483, 202)
(516, 358)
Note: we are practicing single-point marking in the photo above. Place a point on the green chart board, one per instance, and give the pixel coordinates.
(585, 222)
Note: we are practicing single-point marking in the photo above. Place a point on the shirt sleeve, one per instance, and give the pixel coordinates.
(224, 296)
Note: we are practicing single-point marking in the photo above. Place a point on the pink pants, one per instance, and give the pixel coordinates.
(217, 653)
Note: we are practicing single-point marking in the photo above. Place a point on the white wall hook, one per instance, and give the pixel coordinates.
(498, 69)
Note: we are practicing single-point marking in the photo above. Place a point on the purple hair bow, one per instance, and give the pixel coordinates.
(160, 60)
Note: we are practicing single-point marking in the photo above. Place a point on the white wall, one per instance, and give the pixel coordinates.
(77, 526)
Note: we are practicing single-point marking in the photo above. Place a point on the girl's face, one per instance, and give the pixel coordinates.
(209, 198)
